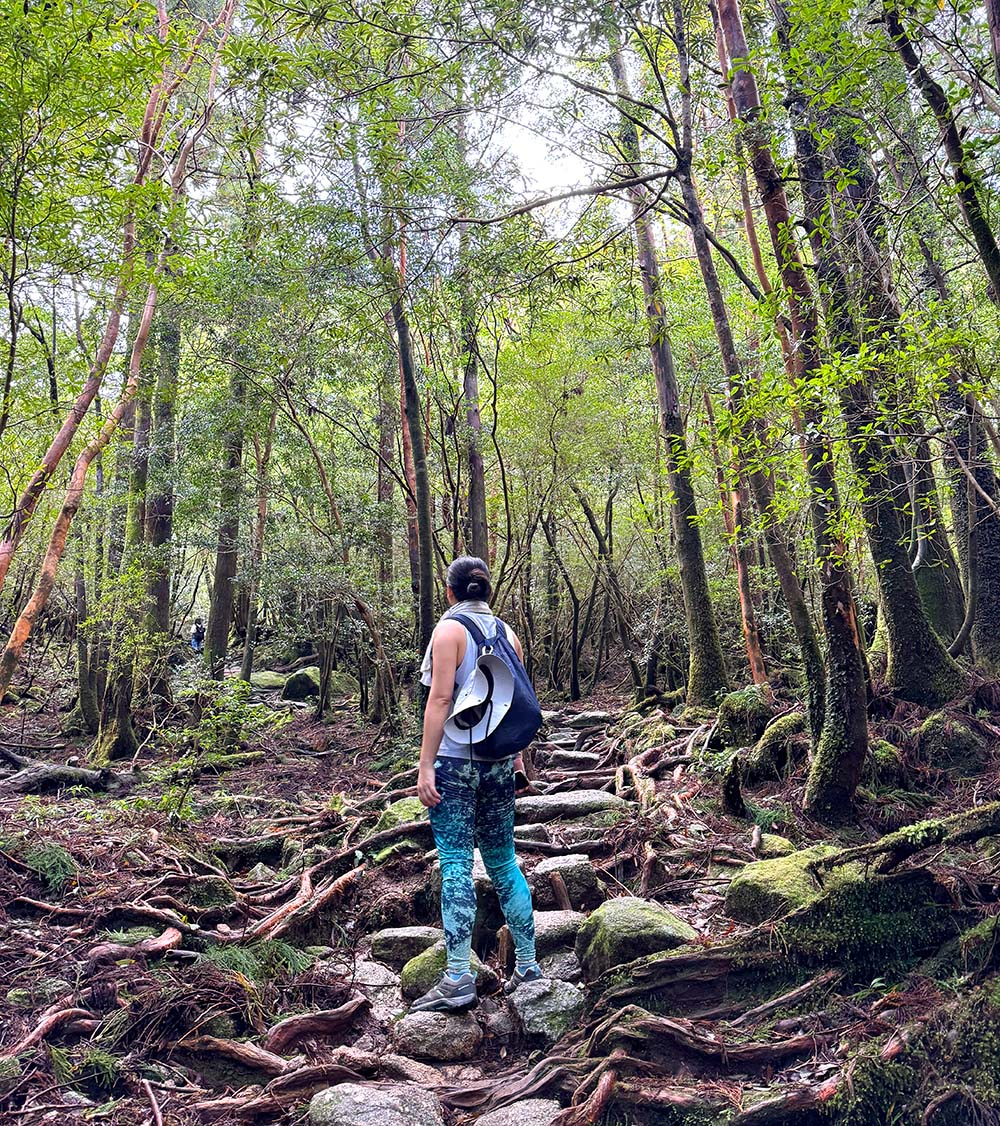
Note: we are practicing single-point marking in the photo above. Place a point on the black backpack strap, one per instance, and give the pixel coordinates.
(475, 632)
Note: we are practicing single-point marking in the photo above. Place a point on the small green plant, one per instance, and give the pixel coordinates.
(261, 961)
(52, 864)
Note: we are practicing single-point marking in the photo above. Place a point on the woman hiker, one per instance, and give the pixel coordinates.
(470, 798)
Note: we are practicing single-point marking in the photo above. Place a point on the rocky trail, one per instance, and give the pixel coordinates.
(253, 960)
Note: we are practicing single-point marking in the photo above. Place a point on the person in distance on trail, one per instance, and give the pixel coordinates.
(197, 635)
(481, 712)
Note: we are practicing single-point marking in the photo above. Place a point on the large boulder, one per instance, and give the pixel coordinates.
(948, 743)
(352, 1104)
(424, 971)
(395, 946)
(528, 1112)
(577, 874)
(438, 1036)
(267, 679)
(567, 805)
(769, 888)
(400, 813)
(622, 930)
(743, 715)
(547, 1008)
(302, 684)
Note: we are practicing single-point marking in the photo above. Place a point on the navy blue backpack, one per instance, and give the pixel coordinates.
(524, 716)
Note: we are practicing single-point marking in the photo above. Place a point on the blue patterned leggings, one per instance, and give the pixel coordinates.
(477, 810)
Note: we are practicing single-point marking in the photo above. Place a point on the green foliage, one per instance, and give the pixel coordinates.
(260, 962)
(52, 864)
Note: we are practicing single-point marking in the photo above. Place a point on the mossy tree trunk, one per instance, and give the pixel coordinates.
(843, 741)
(918, 666)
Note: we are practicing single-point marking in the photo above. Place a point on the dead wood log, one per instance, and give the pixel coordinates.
(40, 776)
(249, 1055)
(260, 1104)
(894, 848)
(560, 892)
(325, 1023)
(112, 951)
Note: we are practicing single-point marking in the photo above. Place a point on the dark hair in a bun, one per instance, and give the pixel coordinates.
(469, 577)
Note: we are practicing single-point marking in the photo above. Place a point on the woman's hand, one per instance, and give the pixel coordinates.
(426, 790)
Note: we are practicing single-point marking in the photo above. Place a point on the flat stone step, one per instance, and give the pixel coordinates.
(561, 759)
(567, 806)
(587, 719)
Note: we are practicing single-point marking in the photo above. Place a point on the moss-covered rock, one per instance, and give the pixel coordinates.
(653, 732)
(769, 888)
(547, 1008)
(980, 945)
(622, 930)
(211, 891)
(302, 684)
(743, 715)
(342, 683)
(424, 971)
(773, 753)
(401, 813)
(395, 850)
(773, 846)
(267, 679)
(949, 744)
(884, 766)
(868, 924)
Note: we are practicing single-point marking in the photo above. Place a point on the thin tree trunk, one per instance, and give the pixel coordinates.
(843, 743)
(918, 666)
(160, 507)
(262, 453)
(706, 666)
(220, 612)
(967, 187)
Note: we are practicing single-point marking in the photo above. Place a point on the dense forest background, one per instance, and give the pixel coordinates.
(685, 316)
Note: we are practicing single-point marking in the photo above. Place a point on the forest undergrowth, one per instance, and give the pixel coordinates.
(179, 935)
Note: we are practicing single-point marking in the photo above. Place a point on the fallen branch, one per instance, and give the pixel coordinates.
(154, 1106)
(40, 776)
(960, 828)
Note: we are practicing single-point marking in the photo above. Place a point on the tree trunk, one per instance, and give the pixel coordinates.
(934, 565)
(478, 535)
(90, 715)
(262, 454)
(421, 477)
(843, 743)
(707, 675)
(160, 505)
(967, 187)
(220, 612)
(918, 666)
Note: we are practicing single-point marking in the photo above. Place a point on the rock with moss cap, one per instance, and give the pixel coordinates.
(949, 744)
(769, 888)
(302, 684)
(622, 930)
(772, 846)
(775, 751)
(267, 679)
(426, 969)
(547, 1008)
(884, 765)
(743, 715)
(400, 813)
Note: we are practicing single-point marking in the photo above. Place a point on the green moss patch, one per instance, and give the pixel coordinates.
(767, 889)
(401, 813)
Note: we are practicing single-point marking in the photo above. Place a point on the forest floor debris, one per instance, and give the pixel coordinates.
(230, 953)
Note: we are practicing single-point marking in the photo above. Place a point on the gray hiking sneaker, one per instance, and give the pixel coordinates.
(521, 977)
(448, 996)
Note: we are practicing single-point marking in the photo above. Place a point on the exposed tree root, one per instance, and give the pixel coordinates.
(53, 1016)
(112, 951)
(251, 1056)
(328, 1022)
(257, 1104)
